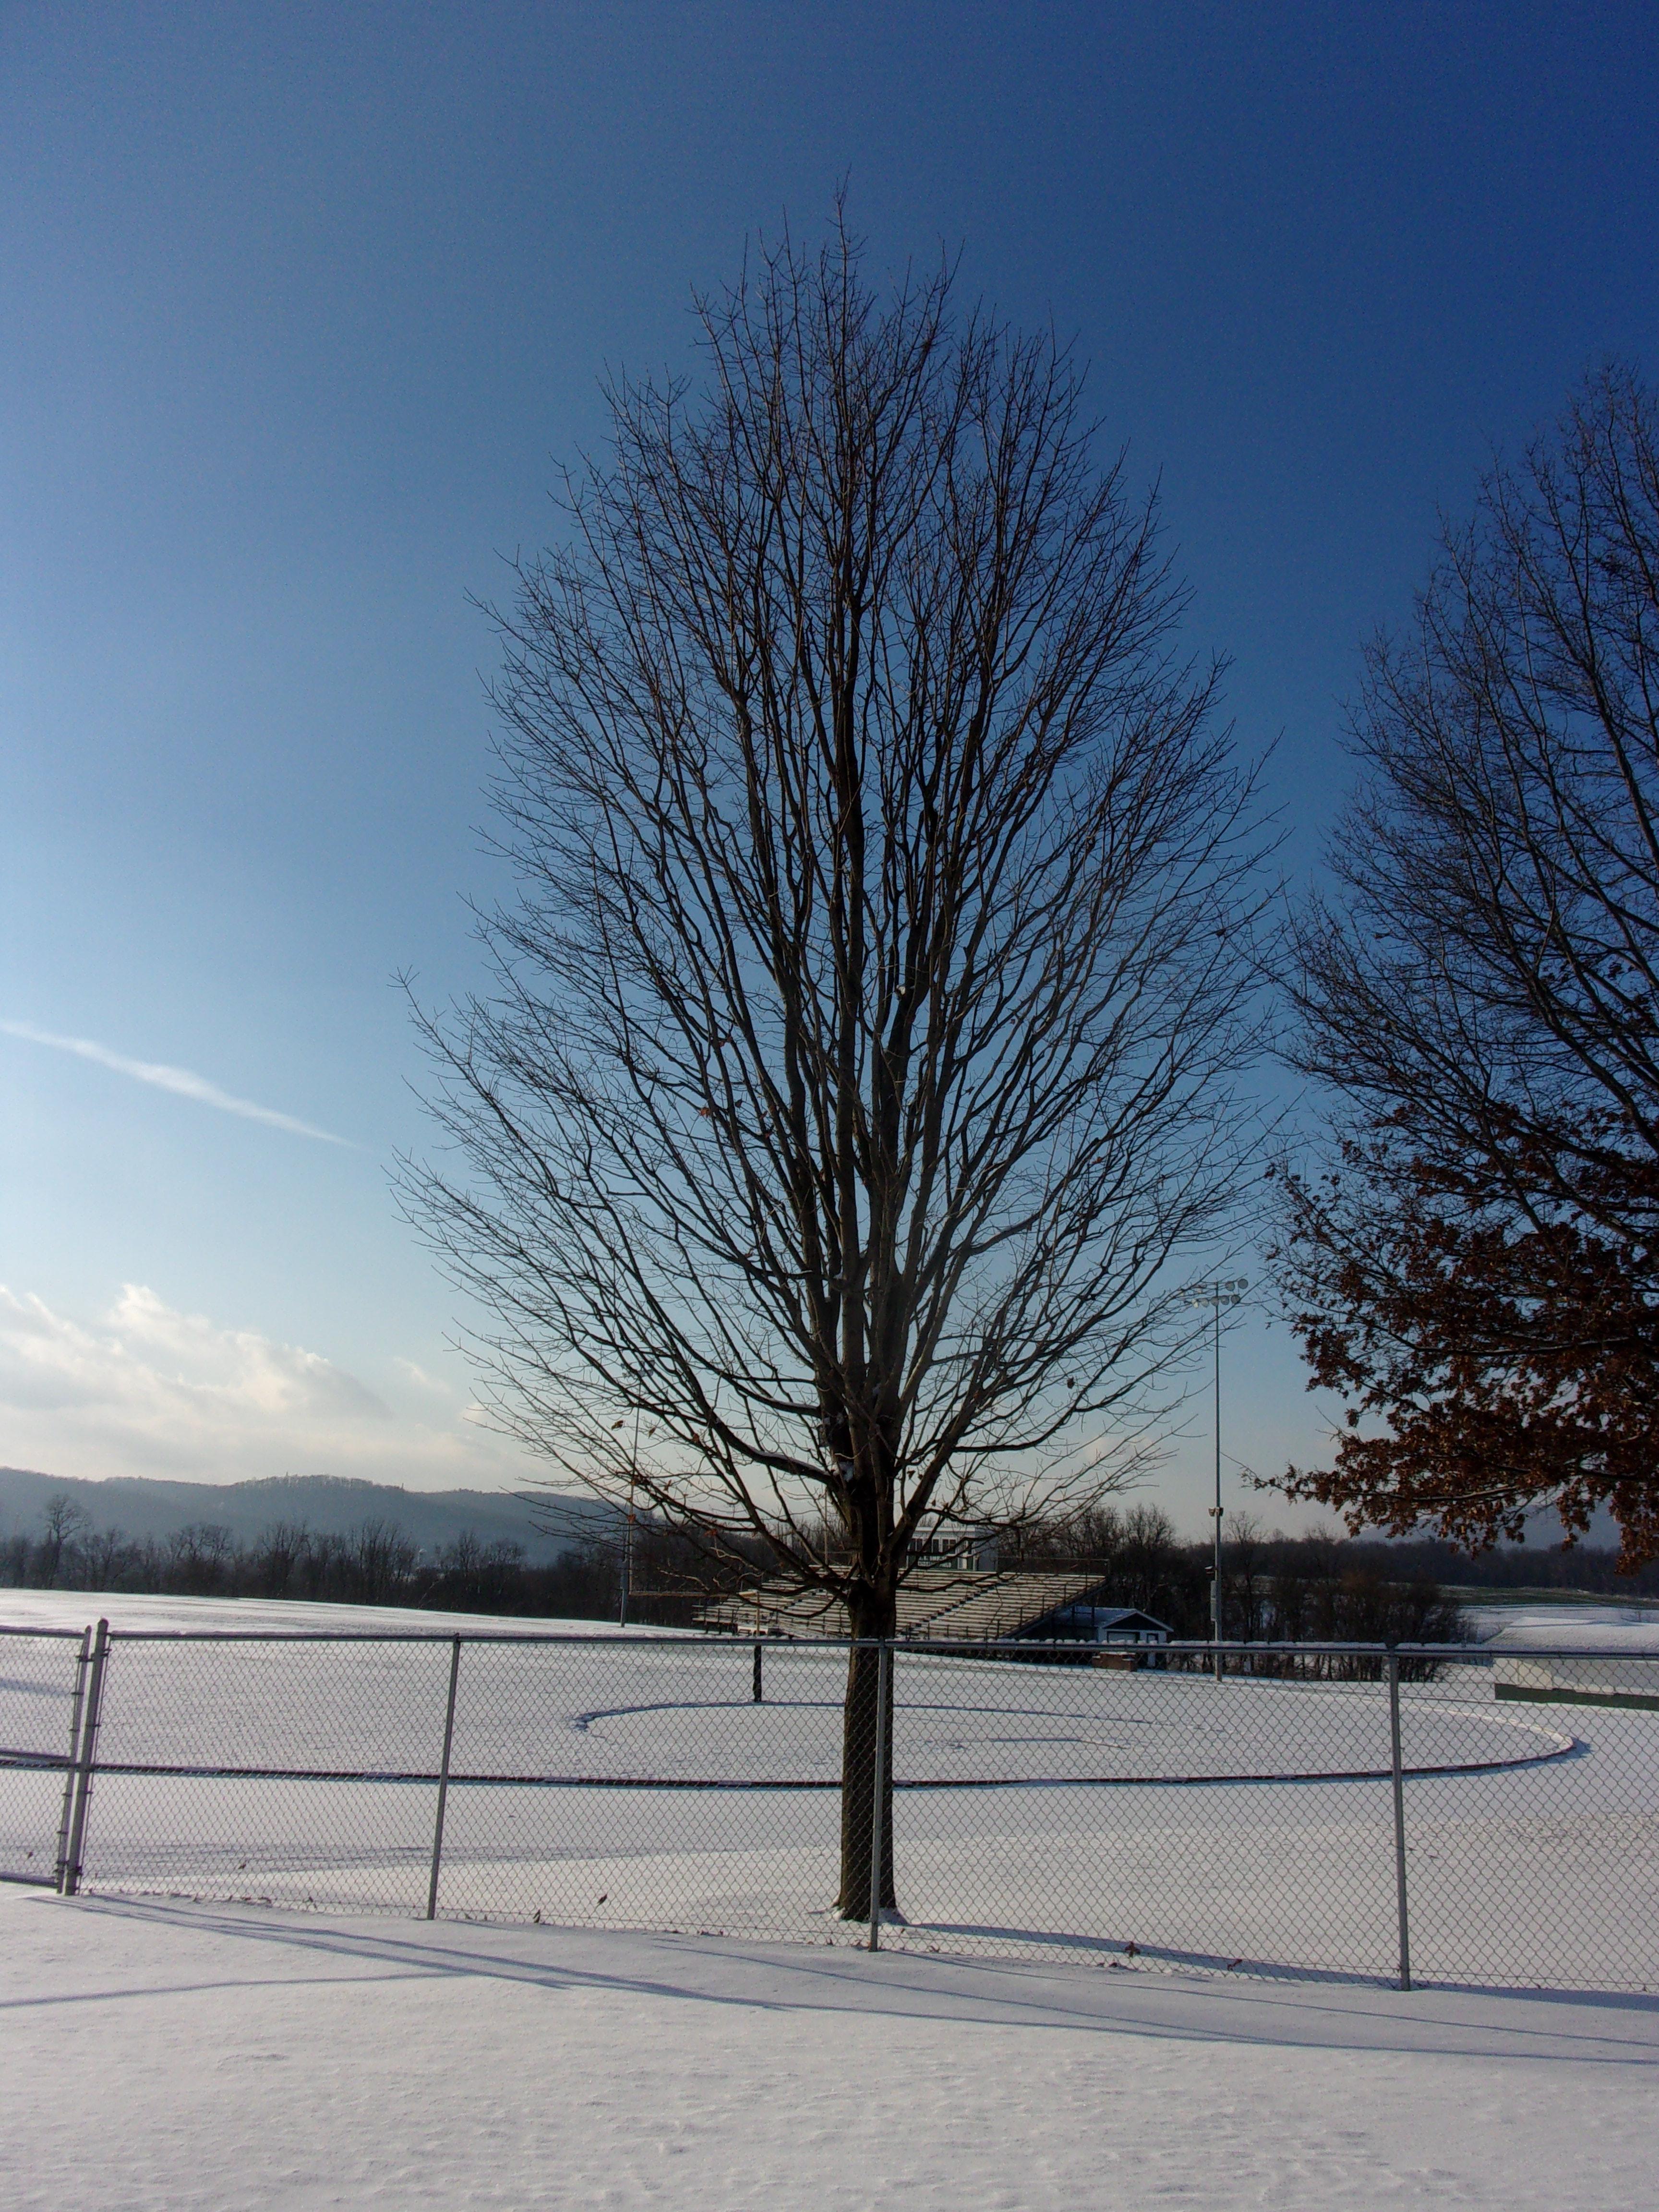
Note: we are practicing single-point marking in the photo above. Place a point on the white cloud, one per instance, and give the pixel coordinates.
(149, 1391)
(179, 1080)
(421, 1380)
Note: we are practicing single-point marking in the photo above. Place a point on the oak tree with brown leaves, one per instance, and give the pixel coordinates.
(1477, 1271)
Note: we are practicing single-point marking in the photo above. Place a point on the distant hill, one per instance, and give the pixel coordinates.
(331, 1505)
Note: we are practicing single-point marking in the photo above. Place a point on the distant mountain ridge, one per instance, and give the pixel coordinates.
(145, 1506)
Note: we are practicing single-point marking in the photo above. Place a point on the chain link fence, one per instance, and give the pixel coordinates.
(42, 1693)
(1448, 1817)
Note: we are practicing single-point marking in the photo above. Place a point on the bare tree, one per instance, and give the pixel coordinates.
(107, 1554)
(278, 1554)
(859, 1055)
(1479, 1269)
(65, 1527)
(200, 1556)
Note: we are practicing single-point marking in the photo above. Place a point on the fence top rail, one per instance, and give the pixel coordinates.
(1482, 1654)
(1466, 1654)
(1059, 1650)
(1178, 1647)
(669, 1640)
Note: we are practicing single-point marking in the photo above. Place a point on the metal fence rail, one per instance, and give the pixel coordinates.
(44, 1756)
(1341, 1809)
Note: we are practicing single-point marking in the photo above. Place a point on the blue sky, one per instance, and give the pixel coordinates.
(302, 306)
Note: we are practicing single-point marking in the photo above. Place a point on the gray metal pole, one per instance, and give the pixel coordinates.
(1399, 1823)
(69, 1771)
(760, 1688)
(443, 1782)
(879, 1794)
(1215, 1592)
(628, 1534)
(88, 1753)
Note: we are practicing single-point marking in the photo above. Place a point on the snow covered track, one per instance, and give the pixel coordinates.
(1041, 1810)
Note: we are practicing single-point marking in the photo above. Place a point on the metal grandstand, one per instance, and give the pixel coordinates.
(949, 1605)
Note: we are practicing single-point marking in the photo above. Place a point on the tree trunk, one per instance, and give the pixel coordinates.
(871, 1615)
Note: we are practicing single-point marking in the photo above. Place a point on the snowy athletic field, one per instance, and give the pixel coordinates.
(1041, 1811)
(176, 2052)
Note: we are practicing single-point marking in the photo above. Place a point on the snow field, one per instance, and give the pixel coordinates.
(168, 2058)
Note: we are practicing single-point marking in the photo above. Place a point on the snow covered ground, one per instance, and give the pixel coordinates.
(1570, 1623)
(261, 1616)
(1575, 1626)
(160, 2057)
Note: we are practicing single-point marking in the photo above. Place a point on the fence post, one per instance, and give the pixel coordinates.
(760, 1698)
(443, 1781)
(879, 1794)
(83, 1769)
(69, 1771)
(1399, 1823)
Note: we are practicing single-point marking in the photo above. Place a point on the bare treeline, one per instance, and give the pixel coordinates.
(1274, 1588)
(374, 1563)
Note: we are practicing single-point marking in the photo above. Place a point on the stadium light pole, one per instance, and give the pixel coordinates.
(628, 1535)
(1215, 1295)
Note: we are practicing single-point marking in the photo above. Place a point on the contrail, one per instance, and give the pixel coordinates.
(177, 1079)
